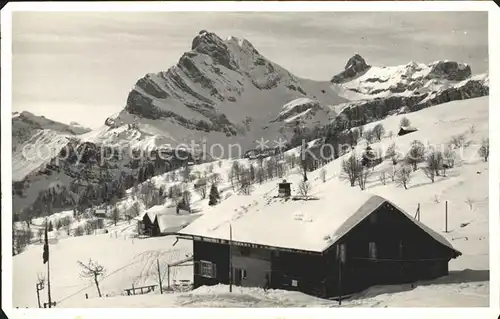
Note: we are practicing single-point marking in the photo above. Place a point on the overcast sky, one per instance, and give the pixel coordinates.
(81, 66)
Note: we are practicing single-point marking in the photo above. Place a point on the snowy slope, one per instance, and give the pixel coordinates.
(425, 295)
(36, 140)
(26, 124)
(465, 189)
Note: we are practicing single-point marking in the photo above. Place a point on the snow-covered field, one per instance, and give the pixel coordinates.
(130, 260)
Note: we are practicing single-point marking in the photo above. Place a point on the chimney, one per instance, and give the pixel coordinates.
(284, 189)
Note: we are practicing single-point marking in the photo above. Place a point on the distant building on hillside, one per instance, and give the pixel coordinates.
(406, 130)
(160, 220)
(336, 245)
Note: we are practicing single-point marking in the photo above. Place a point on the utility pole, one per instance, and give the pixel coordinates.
(230, 258)
(159, 275)
(39, 286)
(168, 277)
(446, 217)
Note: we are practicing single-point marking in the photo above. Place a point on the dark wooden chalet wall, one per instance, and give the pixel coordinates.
(213, 252)
(404, 253)
(418, 258)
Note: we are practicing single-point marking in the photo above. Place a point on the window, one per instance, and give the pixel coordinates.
(372, 250)
(207, 269)
(295, 283)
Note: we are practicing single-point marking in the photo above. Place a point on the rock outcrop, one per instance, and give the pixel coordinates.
(354, 67)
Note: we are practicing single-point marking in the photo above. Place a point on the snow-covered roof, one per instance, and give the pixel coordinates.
(312, 225)
(408, 128)
(167, 217)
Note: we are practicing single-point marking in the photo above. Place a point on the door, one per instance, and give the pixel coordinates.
(239, 274)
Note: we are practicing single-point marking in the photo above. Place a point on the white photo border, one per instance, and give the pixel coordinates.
(6, 159)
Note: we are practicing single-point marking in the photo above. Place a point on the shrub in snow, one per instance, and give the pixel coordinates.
(78, 231)
(403, 176)
(469, 202)
(405, 122)
(304, 188)
(484, 149)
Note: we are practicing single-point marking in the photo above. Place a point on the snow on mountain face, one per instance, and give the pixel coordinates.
(306, 112)
(221, 90)
(25, 125)
(376, 92)
(225, 92)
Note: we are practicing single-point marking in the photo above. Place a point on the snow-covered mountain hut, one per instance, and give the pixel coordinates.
(336, 245)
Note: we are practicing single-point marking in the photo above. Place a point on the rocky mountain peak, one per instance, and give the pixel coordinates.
(450, 70)
(356, 63)
(355, 66)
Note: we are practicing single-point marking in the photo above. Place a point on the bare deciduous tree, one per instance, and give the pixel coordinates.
(214, 178)
(351, 167)
(403, 176)
(415, 154)
(449, 157)
(304, 188)
(135, 209)
(392, 173)
(115, 215)
(363, 177)
(383, 177)
(378, 131)
(186, 199)
(201, 188)
(393, 154)
(434, 161)
(458, 141)
(369, 136)
(246, 186)
(484, 149)
(323, 175)
(92, 270)
(361, 130)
